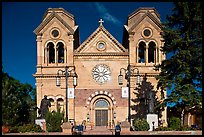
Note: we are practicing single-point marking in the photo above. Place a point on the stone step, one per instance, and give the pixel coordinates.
(99, 130)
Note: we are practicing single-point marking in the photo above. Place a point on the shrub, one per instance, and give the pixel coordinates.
(13, 129)
(54, 121)
(25, 128)
(163, 129)
(175, 123)
(185, 128)
(141, 125)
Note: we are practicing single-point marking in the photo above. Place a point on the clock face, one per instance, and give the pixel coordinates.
(101, 73)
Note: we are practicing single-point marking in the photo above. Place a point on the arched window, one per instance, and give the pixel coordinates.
(52, 104)
(141, 52)
(60, 50)
(151, 52)
(60, 104)
(101, 104)
(51, 100)
(51, 52)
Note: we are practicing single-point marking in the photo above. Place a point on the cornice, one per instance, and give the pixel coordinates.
(58, 10)
(143, 8)
(102, 54)
(45, 75)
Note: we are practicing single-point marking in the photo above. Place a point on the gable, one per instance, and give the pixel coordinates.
(100, 37)
(49, 19)
(154, 22)
(146, 22)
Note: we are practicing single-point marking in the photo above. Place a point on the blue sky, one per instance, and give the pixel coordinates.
(20, 19)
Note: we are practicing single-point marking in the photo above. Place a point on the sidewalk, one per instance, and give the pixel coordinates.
(106, 131)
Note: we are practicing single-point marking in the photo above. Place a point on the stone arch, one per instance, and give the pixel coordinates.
(50, 52)
(60, 96)
(52, 102)
(151, 52)
(101, 93)
(141, 52)
(93, 110)
(54, 56)
(60, 52)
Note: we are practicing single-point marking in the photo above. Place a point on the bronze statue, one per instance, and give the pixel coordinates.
(45, 103)
(151, 102)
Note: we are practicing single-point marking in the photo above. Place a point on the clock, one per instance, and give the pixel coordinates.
(101, 73)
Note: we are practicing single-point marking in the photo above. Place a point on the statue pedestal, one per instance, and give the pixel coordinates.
(42, 123)
(125, 126)
(67, 128)
(152, 118)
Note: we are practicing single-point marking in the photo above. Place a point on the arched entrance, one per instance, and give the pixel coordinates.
(101, 112)
(101, 106)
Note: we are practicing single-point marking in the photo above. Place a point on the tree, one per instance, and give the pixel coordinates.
(182, 72)
(17, 104)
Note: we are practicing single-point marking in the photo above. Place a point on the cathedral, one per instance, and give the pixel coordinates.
(100, 80)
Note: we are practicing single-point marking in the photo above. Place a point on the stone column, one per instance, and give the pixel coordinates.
(155, 55)
(132, 58)
(70, 50)
(56, 58)
(146, 52)
(137, 53)
(46, 55)
(39, 50)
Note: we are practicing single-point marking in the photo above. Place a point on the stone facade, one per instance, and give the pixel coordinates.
(97, 98)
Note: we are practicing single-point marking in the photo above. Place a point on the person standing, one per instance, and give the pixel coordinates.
(117, 129)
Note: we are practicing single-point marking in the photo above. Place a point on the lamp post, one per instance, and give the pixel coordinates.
(67, 74)
(128, 72)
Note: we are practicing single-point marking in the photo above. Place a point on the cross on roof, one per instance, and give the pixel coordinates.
(101, 21)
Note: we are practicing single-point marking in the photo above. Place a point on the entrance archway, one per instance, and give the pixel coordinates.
(101, 106)
(101, 112)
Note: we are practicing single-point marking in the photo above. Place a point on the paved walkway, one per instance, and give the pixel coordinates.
(99, 130)
(107, 131)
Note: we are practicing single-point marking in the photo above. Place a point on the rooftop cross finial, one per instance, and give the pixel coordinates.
(101, 21)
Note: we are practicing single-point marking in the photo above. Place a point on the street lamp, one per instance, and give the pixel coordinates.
(67, 74)
(128, 72)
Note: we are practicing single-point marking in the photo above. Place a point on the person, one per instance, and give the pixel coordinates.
(84, 124)
(80, 129)
(72, 129)
(45, 103)
(117, 129)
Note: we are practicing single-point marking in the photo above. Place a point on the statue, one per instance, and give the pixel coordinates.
(45, 103)
(151, 102)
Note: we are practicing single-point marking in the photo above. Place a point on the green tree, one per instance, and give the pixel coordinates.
(182, 72)
(17, 104)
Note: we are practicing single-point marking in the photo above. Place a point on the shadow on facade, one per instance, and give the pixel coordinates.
(142, 100)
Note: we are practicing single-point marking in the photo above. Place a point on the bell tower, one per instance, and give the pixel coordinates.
(56, 37)
(142, 37)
